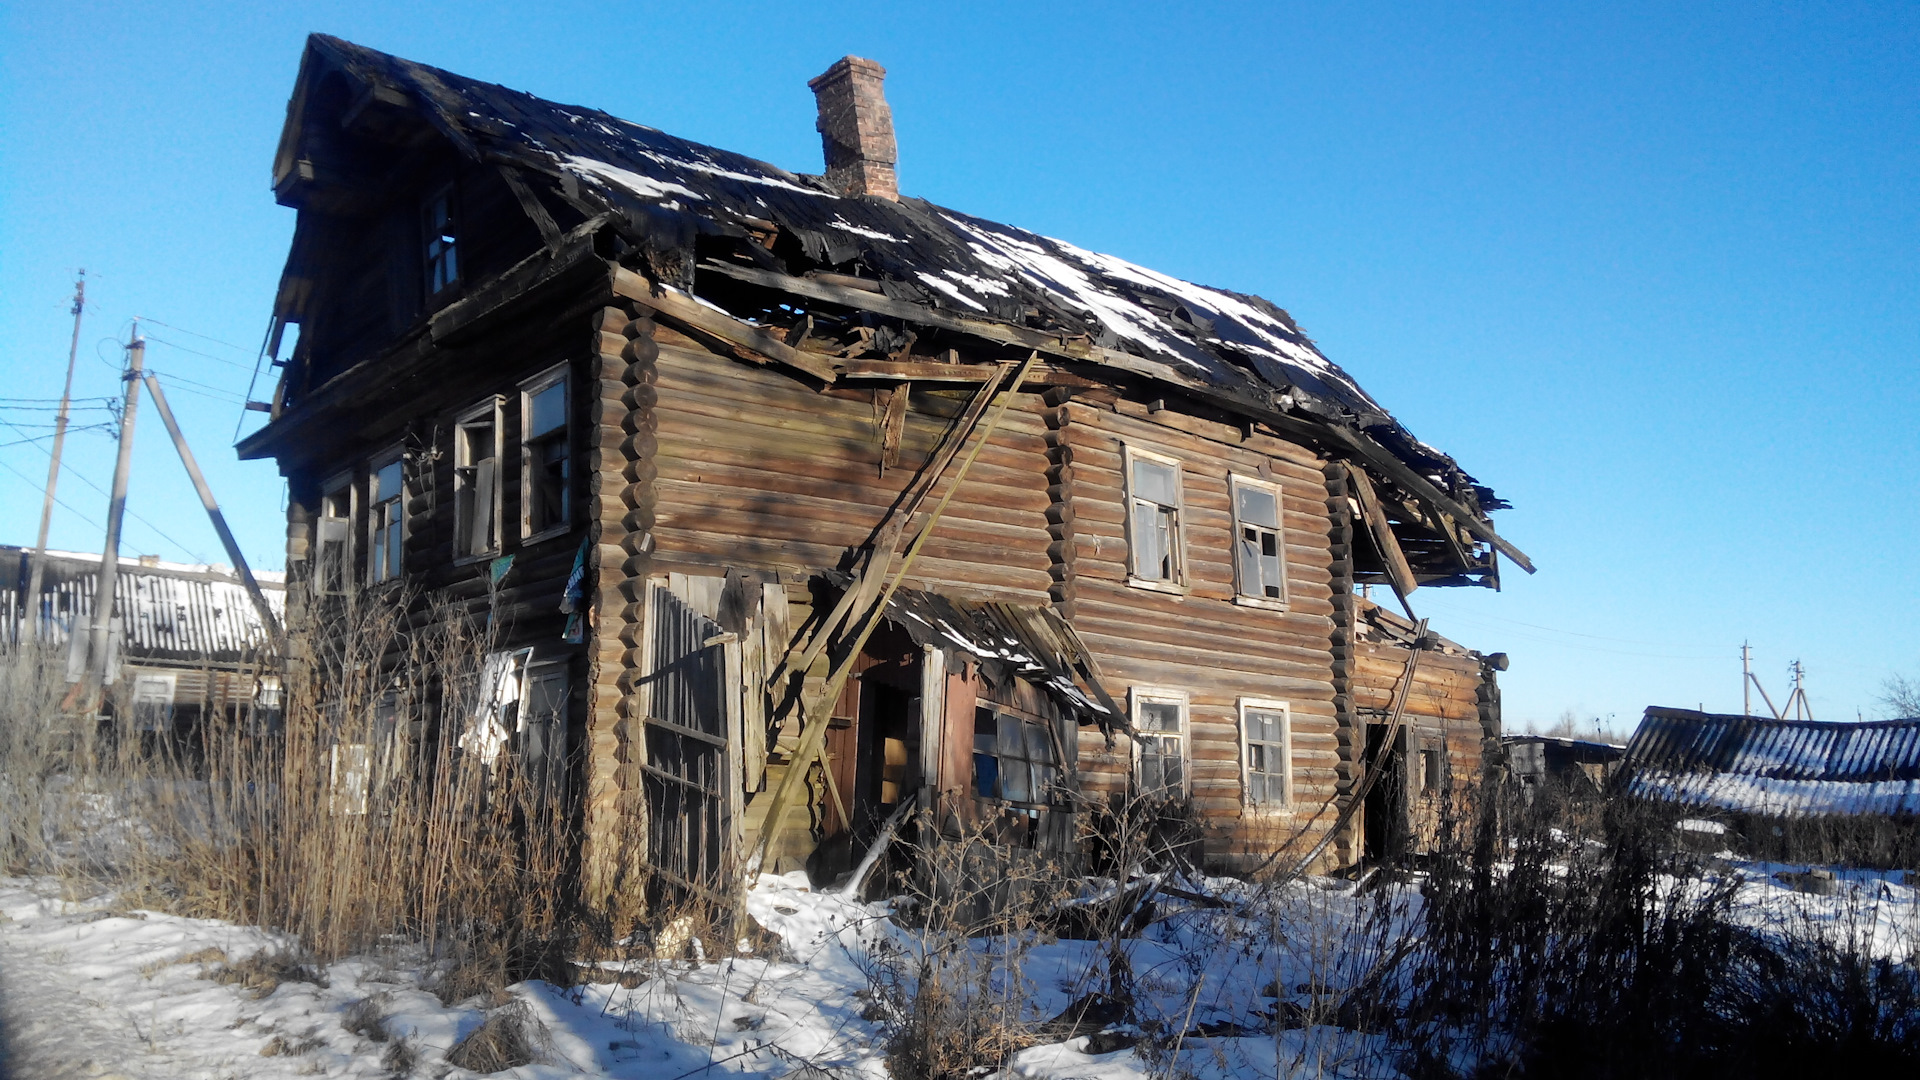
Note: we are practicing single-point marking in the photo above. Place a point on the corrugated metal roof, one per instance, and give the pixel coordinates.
(169, 611)
(1783, 768)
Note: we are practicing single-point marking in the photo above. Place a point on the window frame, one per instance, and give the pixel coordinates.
(1236, 481)
(1177, 583)
(339, 484)
(375, 464)
(1266, 705)
(560, 373)
(429, 236)
(494, 408)
(1161, 695)
(1023, 721)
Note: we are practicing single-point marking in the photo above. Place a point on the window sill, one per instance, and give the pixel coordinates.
(1260, 602)
(1171, 588)
(1248, 810)
(475, 560)
(544, 535)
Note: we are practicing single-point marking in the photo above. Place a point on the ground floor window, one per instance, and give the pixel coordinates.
(1160, 742)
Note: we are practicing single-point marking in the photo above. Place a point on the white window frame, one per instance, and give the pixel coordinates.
(339, 484)
(152, 700)
(493, 409)
(1160, 695)
(560, 373)
(1241, 595)
(1177, 585)
(374, 465)
(1269, 705)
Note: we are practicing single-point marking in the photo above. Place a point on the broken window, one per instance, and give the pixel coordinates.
(1014, 758)
(543, 729)
(442, 260)
(545, 453)
(332, 570)
(1153, 497)
(1259, 562)
(153, 702)
(1265, 733)
(476, 482)
(386, 511)
(1159, 741)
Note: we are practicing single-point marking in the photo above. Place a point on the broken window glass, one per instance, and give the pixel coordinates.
(1258, 566)
(546, 457)
(1155, 495)
(1013, 758)
(476, 487)
(442, 260)
(335, 538)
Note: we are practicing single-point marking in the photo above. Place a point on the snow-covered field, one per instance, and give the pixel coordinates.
(90, 989)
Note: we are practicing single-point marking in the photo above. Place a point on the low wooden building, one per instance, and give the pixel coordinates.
(1799, 790)
(707, 435)
(186, 639)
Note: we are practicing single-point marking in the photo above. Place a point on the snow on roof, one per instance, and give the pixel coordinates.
(169, 611)
(1780, 768)
(666, 191)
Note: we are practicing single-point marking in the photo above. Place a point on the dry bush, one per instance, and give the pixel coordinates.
(510, 1036)
(263, 972)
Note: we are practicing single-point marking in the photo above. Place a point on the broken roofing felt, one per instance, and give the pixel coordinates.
(1783, 768)
(667, 192)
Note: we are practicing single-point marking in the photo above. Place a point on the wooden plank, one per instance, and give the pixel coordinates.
(1383, 538)
(690, 312)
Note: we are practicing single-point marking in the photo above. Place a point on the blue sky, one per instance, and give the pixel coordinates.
(1649, 271)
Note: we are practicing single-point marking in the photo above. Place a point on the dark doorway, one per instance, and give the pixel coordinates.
(872, 753)
(1385, 813)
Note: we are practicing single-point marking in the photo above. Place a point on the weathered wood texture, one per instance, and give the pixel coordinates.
(1202, 643)
(1444, 712)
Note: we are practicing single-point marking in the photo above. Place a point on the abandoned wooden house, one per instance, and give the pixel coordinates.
(186, 639)
(1799, 790)
(802, 501)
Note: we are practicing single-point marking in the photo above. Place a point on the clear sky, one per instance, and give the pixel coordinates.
(1648, 270)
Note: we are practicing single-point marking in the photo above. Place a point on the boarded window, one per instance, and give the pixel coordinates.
(442, 256)
(1014, 758)
(545, 454)
(1259, 564)
(1153, 495)
(386, 498)
(332, 571)
(685, 772)
(476, 484)
(1160, 735)
(1269, 757)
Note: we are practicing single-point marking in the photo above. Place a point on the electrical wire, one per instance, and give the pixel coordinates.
(82, 477)
(69, 506)
(176, 345)
(190, 333)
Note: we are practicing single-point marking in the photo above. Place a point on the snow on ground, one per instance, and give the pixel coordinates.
(93, 990)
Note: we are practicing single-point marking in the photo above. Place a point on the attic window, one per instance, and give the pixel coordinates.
(442, 261)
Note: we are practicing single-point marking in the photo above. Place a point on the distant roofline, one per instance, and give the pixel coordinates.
(268, 579)
(1665, 712)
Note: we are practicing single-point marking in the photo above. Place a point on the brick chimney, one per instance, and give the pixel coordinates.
(856, 128)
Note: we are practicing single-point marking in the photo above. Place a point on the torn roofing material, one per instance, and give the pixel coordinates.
(668, 191)
(1778, 768)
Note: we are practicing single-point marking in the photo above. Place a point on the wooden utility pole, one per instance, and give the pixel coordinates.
(213, 511)
(116, 510)
(30, 603)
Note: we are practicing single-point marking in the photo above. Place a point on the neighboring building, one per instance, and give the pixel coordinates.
(185, 639)
(697, 386)
(1797, 789)
(1582, 766)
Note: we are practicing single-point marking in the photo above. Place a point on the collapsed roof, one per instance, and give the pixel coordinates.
(676, 202)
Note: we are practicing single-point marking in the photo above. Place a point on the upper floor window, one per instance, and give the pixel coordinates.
(476, 482)
(1153, 519)
(386, 513)
(442, 258)
(1259, 551)
(1267, 759)
(333, 569)
(546, 454)
(1160, 742)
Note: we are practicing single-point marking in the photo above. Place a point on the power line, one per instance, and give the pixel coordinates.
(70, 507)
(82, 477)
(197, 352)
(190, 333)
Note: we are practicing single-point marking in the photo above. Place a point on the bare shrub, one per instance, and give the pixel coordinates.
(510, 1036)
(367, 1017)
(262, 973)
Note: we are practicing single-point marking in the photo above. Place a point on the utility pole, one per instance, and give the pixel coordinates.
(1746, 679)
(219, 520)
(116, 510)
(31, 615)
